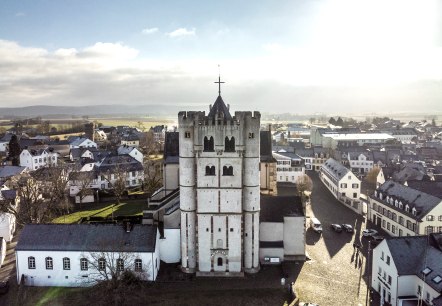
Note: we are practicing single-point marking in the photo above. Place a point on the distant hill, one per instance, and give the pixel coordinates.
(93, 111)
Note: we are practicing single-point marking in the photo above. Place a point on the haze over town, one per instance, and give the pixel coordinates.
(296, 56)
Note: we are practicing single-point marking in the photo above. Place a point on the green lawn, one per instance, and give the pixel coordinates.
(125, 208)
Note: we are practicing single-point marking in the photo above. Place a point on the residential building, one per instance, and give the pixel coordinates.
(131, 151)
(34, 159)
(289, 166)
(336, 140)
(360, 163)
(131, 140)
(404, 211)
(342, 183)
(408, 270)
(81, 142)
(75, 255)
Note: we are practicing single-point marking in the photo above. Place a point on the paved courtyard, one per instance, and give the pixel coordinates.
(335, 273)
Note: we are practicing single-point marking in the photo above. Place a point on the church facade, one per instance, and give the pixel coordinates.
(219, 159)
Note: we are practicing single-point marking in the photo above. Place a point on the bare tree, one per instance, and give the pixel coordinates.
(32, 208)
(152, 174)
(116, 178)
(371, 179)
(304, 183)
(113, 263)
(82, 180)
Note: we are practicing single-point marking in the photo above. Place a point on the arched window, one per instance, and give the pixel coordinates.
(31, 262)
(220, 262)
(138, 265)
(83, 264)
(49, 263)
(101, 264)
(229, 145)
(208, 144)
(66, 263)
(210, 170)
(227, 170)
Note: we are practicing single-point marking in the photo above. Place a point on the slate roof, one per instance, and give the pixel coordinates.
(412, 254)
(355, 155)
(219, 108)
(172, 148)
(111, 162)
(266, 146)
(78, 141)
(431, 187)
(410, 172)
(124, 149)
(8, 171)
(379, 156)
(335, 169)
(305, 152)
(421, 201)
(275, 208)
(9, 194)
(87, 238)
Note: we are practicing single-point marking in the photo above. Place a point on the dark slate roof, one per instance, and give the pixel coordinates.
(126, 162)
(172, 148)
(305, 152)
(219, 108)
(379, 156)
(421, 201)
(8, 171)
(87, 238)
(412, 254)
(9, 194)
(355, 155)
(431, 187)
(335, 169)
(409, 172)
(57, 142)
(275, 208)
(266, 146)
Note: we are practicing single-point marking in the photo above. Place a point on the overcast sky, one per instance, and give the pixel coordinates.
(280, 56)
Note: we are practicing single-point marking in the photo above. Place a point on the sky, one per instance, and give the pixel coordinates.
(305, 57)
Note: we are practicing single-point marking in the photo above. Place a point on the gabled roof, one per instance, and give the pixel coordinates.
(219, 109)
(78, 141)
(431, 187)
(421, 201)
(8, 171)
(125, 149)
(112, 162)
(413, 254)
(171, 148)
(87, 238)
(335, 169)
(265, 146)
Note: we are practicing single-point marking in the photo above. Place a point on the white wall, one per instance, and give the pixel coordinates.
(387, 269)
(74, 277)
(2, 250)
(294, 236)
(170, 246)
(7, 226)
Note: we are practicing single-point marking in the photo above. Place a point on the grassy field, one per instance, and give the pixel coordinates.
(125, 208)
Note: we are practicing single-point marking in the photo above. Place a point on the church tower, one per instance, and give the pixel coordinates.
(219, 190)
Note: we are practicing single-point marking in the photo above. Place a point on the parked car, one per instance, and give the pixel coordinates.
(337, 228)
(308, 304)
(376, 240)
(348, 228)
(369, 232)
(315, 224)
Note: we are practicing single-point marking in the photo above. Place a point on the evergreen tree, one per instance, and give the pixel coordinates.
(332, 121)
(340, 122)
(14, 151)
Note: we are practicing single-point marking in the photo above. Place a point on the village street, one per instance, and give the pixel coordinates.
(335, 273)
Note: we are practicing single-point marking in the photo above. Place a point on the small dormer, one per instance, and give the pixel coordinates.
(380, 195)
(401, 206)
(391, 200)
(375, 193)
(414, 211)
(388, 199)
(407, 208)
(396, 202)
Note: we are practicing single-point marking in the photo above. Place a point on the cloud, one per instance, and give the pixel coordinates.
(20, 14)
(181, 32)
(149, 31)
(294, 79)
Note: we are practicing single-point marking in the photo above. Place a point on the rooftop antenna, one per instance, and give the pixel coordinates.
(219, 81)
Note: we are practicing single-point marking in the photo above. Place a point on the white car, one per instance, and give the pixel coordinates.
(369, 232)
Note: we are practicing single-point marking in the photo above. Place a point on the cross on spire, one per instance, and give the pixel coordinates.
(219, 82)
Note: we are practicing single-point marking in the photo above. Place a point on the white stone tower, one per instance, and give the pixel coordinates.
(219, 190)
